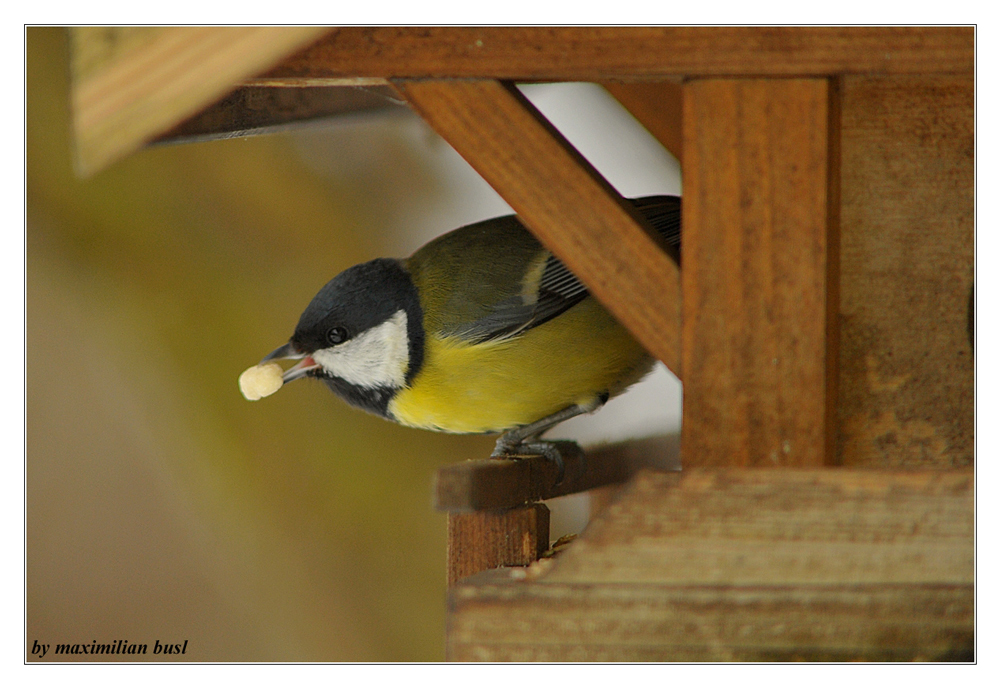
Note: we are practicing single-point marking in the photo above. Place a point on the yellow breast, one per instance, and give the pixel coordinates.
(495, 386)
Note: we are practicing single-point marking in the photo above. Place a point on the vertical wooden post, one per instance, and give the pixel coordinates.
(488, 539)
(758, 280)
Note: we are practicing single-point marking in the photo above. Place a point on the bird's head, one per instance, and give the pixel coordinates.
(361, 333)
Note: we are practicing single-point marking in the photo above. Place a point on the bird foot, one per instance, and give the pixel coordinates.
(505, 448)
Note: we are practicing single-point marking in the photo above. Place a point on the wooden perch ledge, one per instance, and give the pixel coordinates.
(495, 484)
(495, 514)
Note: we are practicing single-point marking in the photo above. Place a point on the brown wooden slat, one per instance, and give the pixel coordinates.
(907, 378)
(506, 483)
(496, 619)
(658, 107)
(320, 82)
(126, 92)
(756, 527)
(825, 564)
(757, 217)
(253, 110)
(601, 53)
(563, 200)
(490, 539)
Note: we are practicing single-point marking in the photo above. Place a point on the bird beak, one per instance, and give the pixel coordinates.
(300, 369)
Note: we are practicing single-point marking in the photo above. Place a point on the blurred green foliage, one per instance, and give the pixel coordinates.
(159, 500)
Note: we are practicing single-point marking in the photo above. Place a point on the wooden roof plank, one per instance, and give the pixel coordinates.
(126, 92)
(603, 53)
(255, 110)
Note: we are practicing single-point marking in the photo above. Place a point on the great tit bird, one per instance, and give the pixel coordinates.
(482, 330)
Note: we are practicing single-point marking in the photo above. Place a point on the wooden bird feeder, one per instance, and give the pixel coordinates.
(821, 321)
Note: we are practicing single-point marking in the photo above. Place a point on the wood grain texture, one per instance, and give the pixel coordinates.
(496, 619)
(757, 215)
(255, 110)
(907, 382)
(744, 565)
(759, 527)
(658, 106)
(505, 483)
(564, 201)
(126, 91)
(601, 53)
(490, 539)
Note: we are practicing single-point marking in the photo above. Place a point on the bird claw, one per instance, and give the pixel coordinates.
(506, 449)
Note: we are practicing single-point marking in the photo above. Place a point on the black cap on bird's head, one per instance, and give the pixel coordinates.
(362, 333)
(354, 301)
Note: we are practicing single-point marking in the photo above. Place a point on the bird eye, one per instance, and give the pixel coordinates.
(336, 335)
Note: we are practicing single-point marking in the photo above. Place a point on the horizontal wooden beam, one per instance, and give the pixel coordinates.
(498, 617)
(759, 527)
(601, 53)
(564, 201)
(493, 484)
(254, 110)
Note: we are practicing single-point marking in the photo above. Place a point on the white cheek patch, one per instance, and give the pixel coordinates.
(378, 357)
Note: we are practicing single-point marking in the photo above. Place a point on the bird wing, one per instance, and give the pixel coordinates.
(557, 290)
(526, 285)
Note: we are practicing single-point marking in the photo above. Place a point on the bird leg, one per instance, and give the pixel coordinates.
(524, 440)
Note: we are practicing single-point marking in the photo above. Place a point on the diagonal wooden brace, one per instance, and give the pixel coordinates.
(563, 200)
